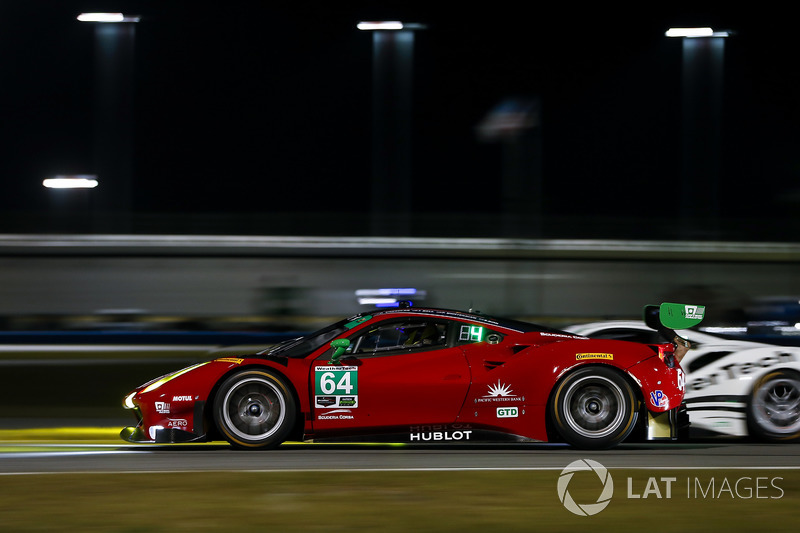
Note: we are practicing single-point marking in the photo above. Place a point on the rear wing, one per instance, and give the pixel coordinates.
(673, 316)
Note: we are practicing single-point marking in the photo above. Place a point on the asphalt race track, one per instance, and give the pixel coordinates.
(22, 458)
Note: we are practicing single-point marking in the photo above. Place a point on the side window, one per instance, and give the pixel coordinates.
(405, 335)
(472, 333)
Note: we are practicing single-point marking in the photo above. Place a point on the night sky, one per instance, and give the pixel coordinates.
(267, 105)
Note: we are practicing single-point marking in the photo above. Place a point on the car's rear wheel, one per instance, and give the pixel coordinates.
(594, 408)
(773, 412)
(254, 409)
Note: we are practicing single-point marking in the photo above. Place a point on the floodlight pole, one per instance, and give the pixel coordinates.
(113, 116)
(392, 63)
(702, 87)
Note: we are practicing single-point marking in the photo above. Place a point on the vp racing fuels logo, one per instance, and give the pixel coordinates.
(585, 509)
(658, 398)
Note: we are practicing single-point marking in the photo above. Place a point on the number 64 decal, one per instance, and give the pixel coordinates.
(336, 386)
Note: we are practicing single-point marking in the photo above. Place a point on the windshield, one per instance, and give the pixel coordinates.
(302, 346)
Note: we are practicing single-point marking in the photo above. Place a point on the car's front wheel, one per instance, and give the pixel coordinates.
(773, 412)
(594, 408)
(254, 409)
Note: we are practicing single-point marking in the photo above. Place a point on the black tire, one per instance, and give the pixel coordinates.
(773, 409)
(254, 409)
(594, 408)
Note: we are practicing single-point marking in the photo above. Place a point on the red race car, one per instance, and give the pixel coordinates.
(421, 375)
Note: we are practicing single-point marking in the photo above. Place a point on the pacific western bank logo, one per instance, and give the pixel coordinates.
(585, 509)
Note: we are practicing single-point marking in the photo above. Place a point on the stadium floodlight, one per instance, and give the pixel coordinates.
(695, 32)
(77, 181)
(390, 25)
(380, 25)
(107, 17)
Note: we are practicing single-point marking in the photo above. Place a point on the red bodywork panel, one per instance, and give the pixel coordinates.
(450, 392)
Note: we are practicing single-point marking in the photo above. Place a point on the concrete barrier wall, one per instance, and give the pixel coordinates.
(274, 276)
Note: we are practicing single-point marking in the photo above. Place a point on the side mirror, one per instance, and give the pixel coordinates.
(339, 347)
(673, 316)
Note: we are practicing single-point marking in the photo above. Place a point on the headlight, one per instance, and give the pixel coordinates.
(128, 401)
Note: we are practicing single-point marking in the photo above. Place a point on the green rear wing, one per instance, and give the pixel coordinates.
(673, 315)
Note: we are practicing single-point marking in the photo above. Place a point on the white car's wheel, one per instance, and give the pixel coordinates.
(773, 412)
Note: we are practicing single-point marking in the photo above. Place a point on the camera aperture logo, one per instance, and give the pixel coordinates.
(585, 509)
(704, 486)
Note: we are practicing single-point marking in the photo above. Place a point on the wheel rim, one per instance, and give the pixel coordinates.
(594, 407)
(777, 406)
(254, 409)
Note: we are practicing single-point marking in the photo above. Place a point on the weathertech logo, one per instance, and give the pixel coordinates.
(695, 312)
(582, 356)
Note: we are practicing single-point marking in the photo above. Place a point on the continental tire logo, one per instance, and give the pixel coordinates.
(585, 509)
(605, 356)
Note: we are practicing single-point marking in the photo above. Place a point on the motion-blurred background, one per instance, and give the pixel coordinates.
(257, 164)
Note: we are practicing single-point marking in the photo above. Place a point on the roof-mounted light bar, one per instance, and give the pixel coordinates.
(387, 297)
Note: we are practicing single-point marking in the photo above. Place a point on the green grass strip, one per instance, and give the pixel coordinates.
(516, 501)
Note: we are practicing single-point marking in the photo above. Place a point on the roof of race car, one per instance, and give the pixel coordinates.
(511, 324)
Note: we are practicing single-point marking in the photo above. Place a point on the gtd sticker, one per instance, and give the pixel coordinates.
(507, 412)
(336, 386)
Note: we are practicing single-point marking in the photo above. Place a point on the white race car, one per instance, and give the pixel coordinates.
(733, 388)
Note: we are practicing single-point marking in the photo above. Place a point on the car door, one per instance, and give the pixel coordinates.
(396, 374)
